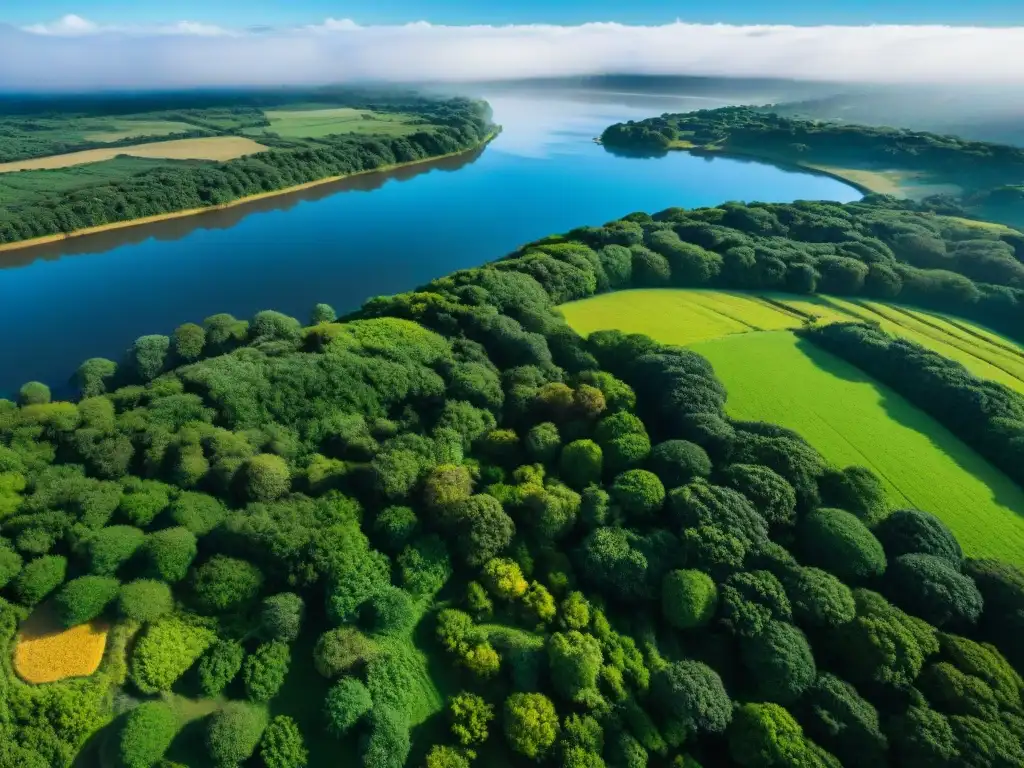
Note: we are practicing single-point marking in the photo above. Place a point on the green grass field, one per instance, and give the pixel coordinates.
(29, 186)
(846, 415)
(688, 316)
(852, 419)
(136, 129)
(317, 123)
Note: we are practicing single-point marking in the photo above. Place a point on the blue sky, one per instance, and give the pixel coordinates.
(241, 13)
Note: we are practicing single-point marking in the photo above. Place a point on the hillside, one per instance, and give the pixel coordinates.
(449, 529)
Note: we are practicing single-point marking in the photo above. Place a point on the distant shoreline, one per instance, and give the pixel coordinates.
(48, 239)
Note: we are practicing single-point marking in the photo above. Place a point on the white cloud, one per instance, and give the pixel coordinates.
(75, 53)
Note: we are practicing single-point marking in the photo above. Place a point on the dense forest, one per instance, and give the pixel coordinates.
(449, 126)
(446, 529)
(988, 175)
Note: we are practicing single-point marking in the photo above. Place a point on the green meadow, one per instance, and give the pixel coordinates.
(773, 376)
(317, 123)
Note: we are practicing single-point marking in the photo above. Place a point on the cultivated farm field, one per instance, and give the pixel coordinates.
(851, 419)
(317, 123)
(218, 148)
(46, 652)
(683, 316)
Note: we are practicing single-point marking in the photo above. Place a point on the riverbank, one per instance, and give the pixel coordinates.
(113, 226)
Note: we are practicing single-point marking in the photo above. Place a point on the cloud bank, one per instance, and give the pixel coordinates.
(74, 53)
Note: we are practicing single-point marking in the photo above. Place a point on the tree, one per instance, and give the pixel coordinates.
(265, 477)
(148, 355)
(322, 313)
(269, 325)
(390, 611)
(767, 736)
(504, 578)
(922, 738)
(145, 600)
(110, 547)
(678, 462)
(639, 493)
(34, 393)
(842, 721)
(395, 527)
(712, 550)
(483, 528)
(470, 717)
(703, 504)
(94, 376)
(780, 661)
(932, 588)
(223, 583)
(882, 645)
(339, 650)
(688, 599)
(346, 703)
(575, 661)
(425, 566)
(575, 611)
(446, 485)
(542, 442)
(857, 490)
(219, 666)
(233, 733)
(692, 697)
(197, 512)
(147, 733)
(531, 723)
(189, 340)
(281, 617)
(770, 493)
(10, 564)
(441, 756)
(985, 663)
(840, 543)
(264, 670)
(168, 553)
(818, 598)
(911, 531)
(165, 652)
(282, 745)
(580, 463)
(39, 578)
(751, 599)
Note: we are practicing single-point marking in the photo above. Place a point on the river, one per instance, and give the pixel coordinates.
(378, 234)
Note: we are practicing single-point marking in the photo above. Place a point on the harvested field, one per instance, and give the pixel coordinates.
(46, 652)
(215, 148)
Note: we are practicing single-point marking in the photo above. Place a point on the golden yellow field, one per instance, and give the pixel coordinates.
(45, 652)
(215, 148)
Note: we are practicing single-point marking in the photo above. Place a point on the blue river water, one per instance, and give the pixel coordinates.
(345, 242)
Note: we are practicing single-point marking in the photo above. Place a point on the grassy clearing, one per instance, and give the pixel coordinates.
(317, 123)
(852, 419)
(215, 148)
(132, 129)
(677, 316)
(29, 186)
(46, 652)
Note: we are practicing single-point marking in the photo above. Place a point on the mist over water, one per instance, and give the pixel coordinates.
(377, 234)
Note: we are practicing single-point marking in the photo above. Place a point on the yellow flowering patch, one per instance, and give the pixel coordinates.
(45, 652)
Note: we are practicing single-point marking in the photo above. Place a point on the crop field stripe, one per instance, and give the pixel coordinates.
(980, 361)
(964, 341)
(848, 416)
(976, 333)
(217, 148)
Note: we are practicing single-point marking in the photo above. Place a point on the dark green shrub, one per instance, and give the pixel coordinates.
(197, 512)
(638, 493)
(282, 745)
(84, 598)
(677, 462)
(39, 578)
(224, 583)
(769, 492)
(169, 553)
(692, 698)
(767, 736)
(542, 442)
(818, 598)
(396, 527)
(338, 651)
(390, 611)
(34, 393)
(751, 599)
(857, 490)
(145, 600)
(839, 542)
(346, 703)
(281, 617)
(841, 720)
(932, 588)
(264, 670)
(780, 662)
(581, 463)
(233, 733)
(911, 531)
(265, 477)
(219, 666)
(147, 733)
(110, 547)
(688, 599)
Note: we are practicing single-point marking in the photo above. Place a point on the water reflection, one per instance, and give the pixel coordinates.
(226, 218)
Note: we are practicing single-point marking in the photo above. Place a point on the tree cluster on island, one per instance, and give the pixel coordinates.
(607, 568)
